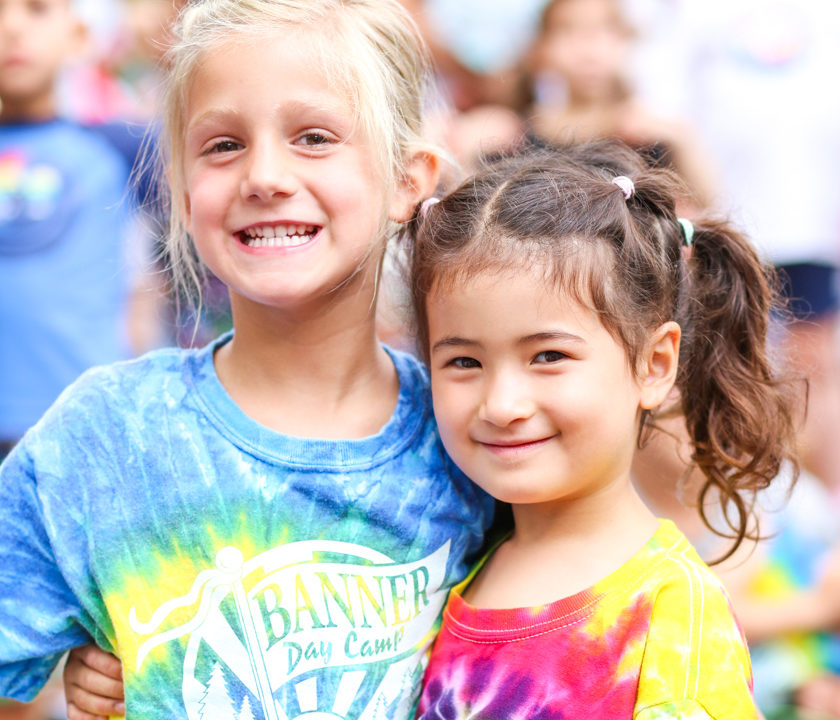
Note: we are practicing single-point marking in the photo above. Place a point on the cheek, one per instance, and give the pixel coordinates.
(451, 414)
(204, 201)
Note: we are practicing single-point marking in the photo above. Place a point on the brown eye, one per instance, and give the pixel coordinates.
(225, 146)
(465, 363)
(314, 138)
(549, 356)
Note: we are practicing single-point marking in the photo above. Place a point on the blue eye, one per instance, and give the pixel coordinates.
(549, 356)
(465, 363)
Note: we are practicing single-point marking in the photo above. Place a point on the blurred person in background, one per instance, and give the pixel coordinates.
(115, 92)
(477, 48)
(65, 276)
(583, 89)
(758, 79)
(785, 589)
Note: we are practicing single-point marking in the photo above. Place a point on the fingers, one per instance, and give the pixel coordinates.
(99, 660)
(93, 684)
(97, 708)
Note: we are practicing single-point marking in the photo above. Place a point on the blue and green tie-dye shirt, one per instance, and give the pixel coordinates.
(237, 572)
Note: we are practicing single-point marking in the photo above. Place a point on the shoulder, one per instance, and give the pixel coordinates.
(415, 401)
(71, 149)
(686, 590)
(124, 387)
(695, 652)
(99, 153)
(411, 370)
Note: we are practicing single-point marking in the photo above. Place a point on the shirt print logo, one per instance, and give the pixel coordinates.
(314, 630)
(27, 191)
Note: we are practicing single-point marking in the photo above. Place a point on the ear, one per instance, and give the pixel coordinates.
(659, 365)
(418, 183)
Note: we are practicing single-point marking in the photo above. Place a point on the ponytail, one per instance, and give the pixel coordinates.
(738, 413)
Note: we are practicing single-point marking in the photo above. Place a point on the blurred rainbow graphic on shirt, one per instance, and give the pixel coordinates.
(27, 190)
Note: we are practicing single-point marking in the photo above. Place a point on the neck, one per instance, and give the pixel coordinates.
(579, 541)
(36, 109)
(603, 530)
(312, 372)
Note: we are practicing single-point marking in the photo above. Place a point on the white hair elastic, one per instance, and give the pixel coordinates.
(426, 204)
(626, 185)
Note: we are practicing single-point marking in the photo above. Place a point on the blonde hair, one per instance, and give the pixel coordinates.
(373, 50)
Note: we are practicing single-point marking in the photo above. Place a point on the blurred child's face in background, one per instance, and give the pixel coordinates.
(151, 22)
(534, 398)
(585, 43)
(36, 37)
(284, 198)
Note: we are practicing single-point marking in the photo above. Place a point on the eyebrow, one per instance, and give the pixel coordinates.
(211, 116)
(552, 335)
(455, 341)
(326, 107)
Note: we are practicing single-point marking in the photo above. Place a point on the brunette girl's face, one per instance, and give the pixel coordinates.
(534, 398)
(586, 43)
(283, 196)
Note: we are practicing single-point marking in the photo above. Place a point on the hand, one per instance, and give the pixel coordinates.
(93, 684)
(828, 590)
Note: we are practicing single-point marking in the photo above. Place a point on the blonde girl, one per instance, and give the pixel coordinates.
(560, 300)
(267, 526)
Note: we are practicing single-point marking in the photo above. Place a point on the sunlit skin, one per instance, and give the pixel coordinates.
(537, 403)
(277, 148)
(36, 38)
(276, 152)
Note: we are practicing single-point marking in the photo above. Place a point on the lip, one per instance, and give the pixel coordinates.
(515, 447)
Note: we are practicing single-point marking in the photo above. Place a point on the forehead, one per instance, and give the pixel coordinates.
(483, 291)
(572, 13)
(257, 71)
(499, 308)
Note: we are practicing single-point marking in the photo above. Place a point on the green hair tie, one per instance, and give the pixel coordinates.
(688, 231)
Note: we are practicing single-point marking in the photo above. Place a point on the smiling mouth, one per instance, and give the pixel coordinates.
(515, 447)
(277, 235)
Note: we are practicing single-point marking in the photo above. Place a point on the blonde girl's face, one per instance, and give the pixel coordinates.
(283, 198)
(534, 398)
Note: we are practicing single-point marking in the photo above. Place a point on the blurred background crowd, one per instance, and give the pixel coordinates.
(738, 96)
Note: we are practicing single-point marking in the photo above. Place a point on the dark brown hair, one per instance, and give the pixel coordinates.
(627, 260)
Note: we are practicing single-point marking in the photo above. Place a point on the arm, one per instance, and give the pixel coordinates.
(40, 615)
(93, 684)
(809, 610)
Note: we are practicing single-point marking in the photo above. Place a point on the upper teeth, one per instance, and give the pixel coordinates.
(279, 235)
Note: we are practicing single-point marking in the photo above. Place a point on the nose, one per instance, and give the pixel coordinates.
(269, 172)
(507, 398)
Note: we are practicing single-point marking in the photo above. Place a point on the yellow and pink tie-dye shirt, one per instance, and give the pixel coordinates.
(655, 639)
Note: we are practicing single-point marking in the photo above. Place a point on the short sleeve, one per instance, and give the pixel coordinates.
(695, 661)
(40, 616)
